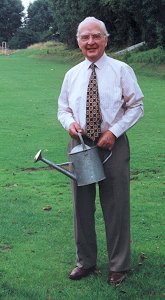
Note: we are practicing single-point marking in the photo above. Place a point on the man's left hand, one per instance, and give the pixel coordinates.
(107, 140)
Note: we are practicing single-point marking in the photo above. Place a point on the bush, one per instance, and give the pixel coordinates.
(153, 56)
(23, 38)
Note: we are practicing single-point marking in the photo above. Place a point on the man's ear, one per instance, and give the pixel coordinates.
(78, 44)
(106, 43)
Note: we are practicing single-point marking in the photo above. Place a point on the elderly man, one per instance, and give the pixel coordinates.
(100, 98)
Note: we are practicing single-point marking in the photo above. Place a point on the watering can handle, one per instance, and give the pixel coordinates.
(84, 147)
(105, 160)
(81, 139)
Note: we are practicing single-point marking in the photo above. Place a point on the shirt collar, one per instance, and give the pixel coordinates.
(99, 63)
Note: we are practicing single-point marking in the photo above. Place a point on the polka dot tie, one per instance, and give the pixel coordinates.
(93, 114)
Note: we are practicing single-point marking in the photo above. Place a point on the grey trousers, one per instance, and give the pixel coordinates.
(114, 193)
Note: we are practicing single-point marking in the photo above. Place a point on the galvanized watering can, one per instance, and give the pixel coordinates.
(85, 162)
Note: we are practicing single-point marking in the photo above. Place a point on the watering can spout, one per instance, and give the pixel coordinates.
(38, 157)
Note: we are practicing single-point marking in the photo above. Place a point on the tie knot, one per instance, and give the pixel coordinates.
(93, 66)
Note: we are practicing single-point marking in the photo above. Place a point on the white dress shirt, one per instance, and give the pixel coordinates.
(120, 95)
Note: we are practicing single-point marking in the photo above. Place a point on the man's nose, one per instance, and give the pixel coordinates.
(90, 40)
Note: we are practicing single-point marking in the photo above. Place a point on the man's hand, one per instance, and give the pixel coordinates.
(107, 140)
(73, 129)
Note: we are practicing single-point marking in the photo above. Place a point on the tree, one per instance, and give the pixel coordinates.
(135, 21)
(154, 27)
(128, 21)
(69, 13)
(118, 15)
(11, 13)
(23, 38)
(40, 16)
(124, 21)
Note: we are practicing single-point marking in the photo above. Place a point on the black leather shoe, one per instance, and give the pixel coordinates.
(78, 273)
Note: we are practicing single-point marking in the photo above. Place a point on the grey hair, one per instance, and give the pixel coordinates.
(92, 19)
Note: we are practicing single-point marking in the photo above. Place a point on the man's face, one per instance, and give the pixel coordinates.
(92, 41)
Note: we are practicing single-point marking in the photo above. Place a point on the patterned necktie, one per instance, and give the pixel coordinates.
(93, 114)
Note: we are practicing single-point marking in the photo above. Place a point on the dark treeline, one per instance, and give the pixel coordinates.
(128, 22)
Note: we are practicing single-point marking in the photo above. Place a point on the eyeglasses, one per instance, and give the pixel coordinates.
(95, 36)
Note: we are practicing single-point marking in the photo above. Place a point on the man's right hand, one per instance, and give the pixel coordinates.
(73, 129)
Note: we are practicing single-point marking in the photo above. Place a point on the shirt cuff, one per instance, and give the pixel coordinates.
(116, 130)
(68, 123)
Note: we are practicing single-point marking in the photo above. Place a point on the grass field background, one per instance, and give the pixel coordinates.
(37, 249)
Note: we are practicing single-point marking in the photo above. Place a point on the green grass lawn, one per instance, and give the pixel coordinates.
(37, 249)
